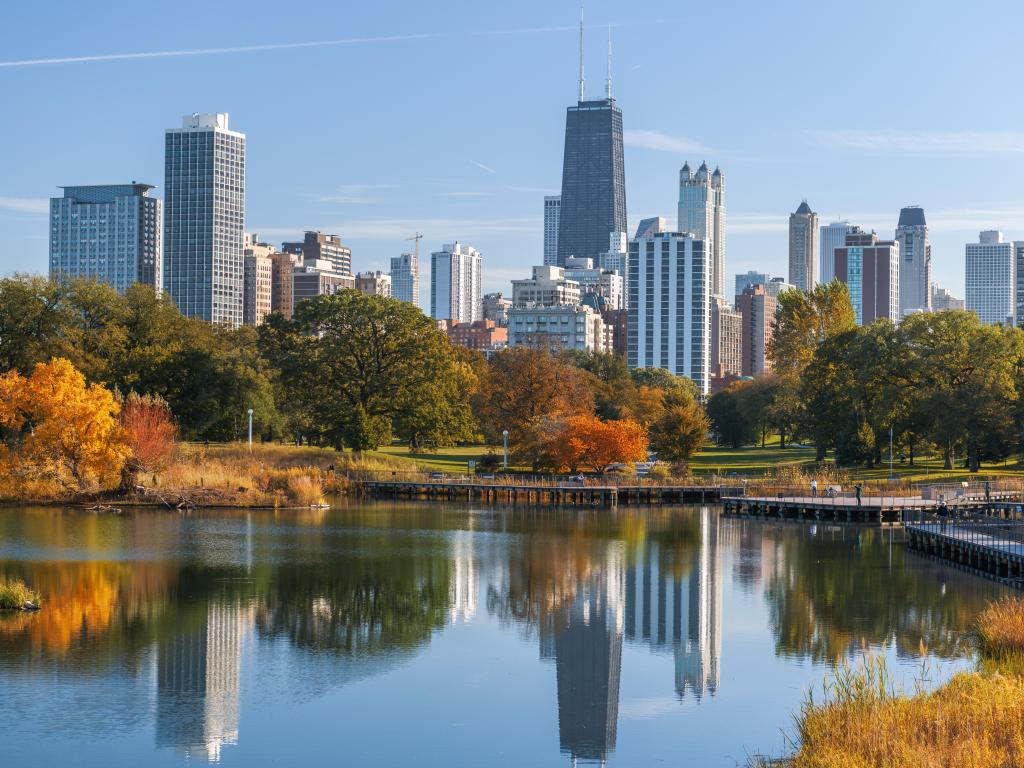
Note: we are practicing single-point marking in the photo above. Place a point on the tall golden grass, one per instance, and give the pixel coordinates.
(1000, 628)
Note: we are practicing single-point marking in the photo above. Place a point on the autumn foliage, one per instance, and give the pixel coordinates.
(587, 441)
(149, 433)
(57, 433)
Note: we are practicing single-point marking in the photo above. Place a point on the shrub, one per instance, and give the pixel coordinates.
(15, 593)
(305, 489)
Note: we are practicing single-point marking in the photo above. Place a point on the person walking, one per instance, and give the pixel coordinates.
(814, 487)
(857, 489)
(988, 491)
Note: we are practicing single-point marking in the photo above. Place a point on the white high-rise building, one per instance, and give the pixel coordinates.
(915, 261)
(405, 278)
(204, 216)
(616, 259)
(670, 305)
(702, 214)
(552, 214)
(833, 236)
(991, 278)
(803, 247)
(456, 283)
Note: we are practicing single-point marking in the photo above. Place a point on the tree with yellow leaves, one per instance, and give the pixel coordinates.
(57, 433)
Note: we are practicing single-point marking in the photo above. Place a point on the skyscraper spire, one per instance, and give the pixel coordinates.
(581, 52)
(608, 86)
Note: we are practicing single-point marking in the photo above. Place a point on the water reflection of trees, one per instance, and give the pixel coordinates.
(831, 591)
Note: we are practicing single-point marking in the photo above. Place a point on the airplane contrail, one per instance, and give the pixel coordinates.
(206, 51)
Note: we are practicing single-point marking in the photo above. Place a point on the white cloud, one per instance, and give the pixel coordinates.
(922, 142)
(483, 167)
(661, 142)
(25, 204)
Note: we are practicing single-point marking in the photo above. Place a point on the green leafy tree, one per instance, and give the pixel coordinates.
(729, 422)
(682, 428)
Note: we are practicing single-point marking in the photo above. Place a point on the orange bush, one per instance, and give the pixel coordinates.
(149, 432)
(589, 442)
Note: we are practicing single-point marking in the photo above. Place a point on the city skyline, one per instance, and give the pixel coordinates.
(486, 188)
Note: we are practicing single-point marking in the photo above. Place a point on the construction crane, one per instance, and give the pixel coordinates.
(417, 237)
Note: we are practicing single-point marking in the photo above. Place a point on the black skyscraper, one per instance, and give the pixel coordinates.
(593, 179)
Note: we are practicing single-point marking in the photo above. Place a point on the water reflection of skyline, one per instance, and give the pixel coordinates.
(353, 602)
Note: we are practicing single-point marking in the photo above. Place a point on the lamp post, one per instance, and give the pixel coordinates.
(250, 429)
(504, 445)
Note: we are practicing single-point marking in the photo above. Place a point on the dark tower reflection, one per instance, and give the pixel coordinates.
(198, 682)
(673, 602)
(588, 660)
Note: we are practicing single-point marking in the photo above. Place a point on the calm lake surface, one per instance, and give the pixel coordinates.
(433, 635)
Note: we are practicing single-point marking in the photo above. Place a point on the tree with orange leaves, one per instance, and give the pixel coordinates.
(150, 434)
(587, 441)
(58, 433)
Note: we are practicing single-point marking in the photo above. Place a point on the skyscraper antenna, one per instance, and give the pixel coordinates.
(581, 52)
(608, 87)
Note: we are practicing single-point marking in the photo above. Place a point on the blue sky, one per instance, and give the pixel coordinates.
(448, 118)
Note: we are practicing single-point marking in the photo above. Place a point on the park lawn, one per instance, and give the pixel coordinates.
(749, 460)
(451, 460)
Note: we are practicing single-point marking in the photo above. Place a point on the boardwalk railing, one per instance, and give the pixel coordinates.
(994, 547)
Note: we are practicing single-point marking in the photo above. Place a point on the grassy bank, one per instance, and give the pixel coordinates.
(976, 719)
(14, 594)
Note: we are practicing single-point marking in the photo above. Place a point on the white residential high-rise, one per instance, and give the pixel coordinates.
(833, 236)
(915, 261)
(991, 278)
(616, 259)
(670, 305)
(702, 214)
(552, 214)
(110, 233)
(456, 283)
(803, 247)
(204, 216)
(405, 278)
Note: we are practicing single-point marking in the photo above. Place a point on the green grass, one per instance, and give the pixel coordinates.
(451, 460)
(14, 593)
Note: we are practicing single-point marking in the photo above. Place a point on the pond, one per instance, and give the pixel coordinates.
(449, 635)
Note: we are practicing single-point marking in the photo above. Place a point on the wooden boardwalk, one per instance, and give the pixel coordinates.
(993, 547)
(552, 494)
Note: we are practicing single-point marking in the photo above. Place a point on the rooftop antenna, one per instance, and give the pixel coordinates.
(608, 86)
(581, 52)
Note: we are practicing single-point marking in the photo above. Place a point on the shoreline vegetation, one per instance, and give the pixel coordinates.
(976, 718)
(16, 595)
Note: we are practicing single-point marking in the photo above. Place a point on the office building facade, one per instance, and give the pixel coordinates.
(316, 246)
(405, 278)
(109, 233)
(374, 283)
(750, 278)
(606, 283)
(991, 279)
(803, 247)
(943, 299)
(204, 218)
(556, 328)
(548, 287)
(258, 283)
(593, 199)
(831, 237)
(282, 277)
(915, 261)
(702, 214)
(757, 311)
(552, 217)
(456, 283)
(726, 338)
(871, 270)
(669, 322)
(496, 308)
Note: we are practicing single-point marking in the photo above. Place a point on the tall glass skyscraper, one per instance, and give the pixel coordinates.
(702, 214)
(405, 278)
(110, 233)
(915, 261)
(204, 179)
(593, 180)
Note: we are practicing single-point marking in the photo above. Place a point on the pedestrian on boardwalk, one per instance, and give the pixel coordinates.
(988, 491)
(857, 489)
(814, 488)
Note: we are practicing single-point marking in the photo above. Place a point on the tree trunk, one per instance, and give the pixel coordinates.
(910, 449)
(764, 435)
(973, 463)
(947, 456)
(782, 438)
(819, 452)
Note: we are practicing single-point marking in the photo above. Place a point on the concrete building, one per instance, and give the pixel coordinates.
(702, 214)
(547, 288)
(618, 321)
(374, 283)
(871, 270)
(616, 259)
(456, 280)
(552, 211)
(405, 278)
(109, 233)
(316, 277)
(915, 261)
(833, 236)
(757, 310)
(1018, 258)
(601, 282)
(316, 246)
(670, 305)
(726, 338)
(480, 335)
(204, 218)
(257, 280)
(943, 299)
(652, 226)
(750, 278)
(991, 279)
(496, 308)
(803, 247)
(777, 285)
(567, 326)
(282, 276)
